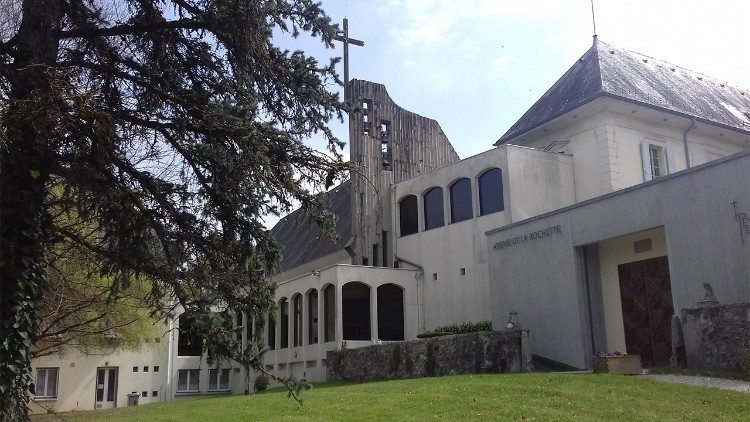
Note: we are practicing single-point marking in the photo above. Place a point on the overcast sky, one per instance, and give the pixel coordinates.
(477, 65)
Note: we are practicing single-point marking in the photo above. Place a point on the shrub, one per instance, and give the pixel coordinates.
(466, 327)
(260, 383)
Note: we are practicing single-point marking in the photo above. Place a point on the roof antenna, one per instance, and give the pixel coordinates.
(593, 19)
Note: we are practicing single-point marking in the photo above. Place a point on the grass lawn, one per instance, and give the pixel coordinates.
(509, 396)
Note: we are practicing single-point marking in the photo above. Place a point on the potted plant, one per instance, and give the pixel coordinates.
(617, 363)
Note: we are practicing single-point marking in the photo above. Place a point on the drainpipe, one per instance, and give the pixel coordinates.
(420, 293)
(685, 142)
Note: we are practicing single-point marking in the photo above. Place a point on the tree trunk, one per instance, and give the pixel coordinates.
(24, 175)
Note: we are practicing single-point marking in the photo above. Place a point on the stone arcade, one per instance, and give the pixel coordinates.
(598, 216)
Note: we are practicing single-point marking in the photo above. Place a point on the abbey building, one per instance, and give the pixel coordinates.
(595, 218)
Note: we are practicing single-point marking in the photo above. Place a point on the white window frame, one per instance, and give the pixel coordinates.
(193, 375)
(47, 394)
(656, 155)
(215, 378)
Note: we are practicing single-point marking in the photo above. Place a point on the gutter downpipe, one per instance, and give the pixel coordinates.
(685, 142)
(420, 293)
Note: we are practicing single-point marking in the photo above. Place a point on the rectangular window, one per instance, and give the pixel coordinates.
(218, 380)
(655, 155)
(385, 144)
(188, 342)
(188, 381)
(366, 107)
(145, 369)
(135, 369)
(154, 393)
(156, 368)
(46, 383)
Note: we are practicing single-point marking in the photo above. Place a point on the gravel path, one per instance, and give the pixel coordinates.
(723, 383)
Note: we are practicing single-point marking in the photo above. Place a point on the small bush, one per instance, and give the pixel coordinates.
(260, 383)
(466, 327)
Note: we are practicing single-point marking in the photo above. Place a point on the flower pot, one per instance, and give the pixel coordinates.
(625, 365)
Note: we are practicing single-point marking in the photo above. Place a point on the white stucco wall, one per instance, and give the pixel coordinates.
(77, 376)
(533, 182)
(604, 139)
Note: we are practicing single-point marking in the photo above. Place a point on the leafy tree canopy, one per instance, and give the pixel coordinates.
(170, 127)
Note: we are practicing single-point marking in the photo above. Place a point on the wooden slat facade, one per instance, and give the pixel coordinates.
(416, 145)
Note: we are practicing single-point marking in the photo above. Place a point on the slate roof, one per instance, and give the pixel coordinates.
(605, 70)
(301, 239)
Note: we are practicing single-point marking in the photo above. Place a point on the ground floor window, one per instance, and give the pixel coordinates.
(46, 383)
(188, 380)
(355, 306)
(218, 380)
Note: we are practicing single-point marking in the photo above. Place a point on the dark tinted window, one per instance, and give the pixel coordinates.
(408, 215)
(491, 192)
(461, 201)
(284, 321)
(433, 208)
(271, 332)
(188, 342)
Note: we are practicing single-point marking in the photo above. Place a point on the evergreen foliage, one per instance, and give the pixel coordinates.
(170, 128)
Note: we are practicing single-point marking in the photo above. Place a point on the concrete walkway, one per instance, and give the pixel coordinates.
(711, 382)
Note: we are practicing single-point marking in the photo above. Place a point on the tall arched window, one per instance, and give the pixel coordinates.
(461, 200)
(271, 331)
(312, 317)
(433, 208)
(329, 313)
(491, 192)
(390, 312)
(297, 333)
(407, 208)
(355, 310)
(284, 321)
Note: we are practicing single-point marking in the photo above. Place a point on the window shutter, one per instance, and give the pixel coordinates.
(646, 160)
(671, 164)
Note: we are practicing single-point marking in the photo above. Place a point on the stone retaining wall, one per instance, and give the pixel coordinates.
(487, 351)
(715, 335)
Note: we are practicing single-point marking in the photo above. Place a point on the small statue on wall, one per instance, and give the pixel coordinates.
(709, 297)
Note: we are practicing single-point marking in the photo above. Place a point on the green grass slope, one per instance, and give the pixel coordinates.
(469, 397)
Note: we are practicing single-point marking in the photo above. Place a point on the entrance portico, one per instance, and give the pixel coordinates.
(605, 280)
(345, 303)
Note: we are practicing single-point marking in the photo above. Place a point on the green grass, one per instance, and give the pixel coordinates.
(674, 370)
(478, 397)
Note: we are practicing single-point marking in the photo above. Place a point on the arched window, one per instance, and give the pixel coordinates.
(297, 333)
(329, 313)
(433, 208)
(284, 321)
(390, 312)
(491, 192)
(461, 200)
(271, 332)
(408, 215)
(312, 317)
(355, 308)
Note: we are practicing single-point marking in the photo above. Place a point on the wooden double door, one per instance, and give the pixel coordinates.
(646, 295)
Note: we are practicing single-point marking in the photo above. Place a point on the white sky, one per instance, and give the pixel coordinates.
(477, 65)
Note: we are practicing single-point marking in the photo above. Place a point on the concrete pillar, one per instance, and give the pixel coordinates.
(373, 311)
(339, 316)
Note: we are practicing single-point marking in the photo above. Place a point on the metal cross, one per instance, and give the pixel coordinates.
(343, 36)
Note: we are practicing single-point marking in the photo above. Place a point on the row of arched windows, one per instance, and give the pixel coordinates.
(355, 307)
(489, 183)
